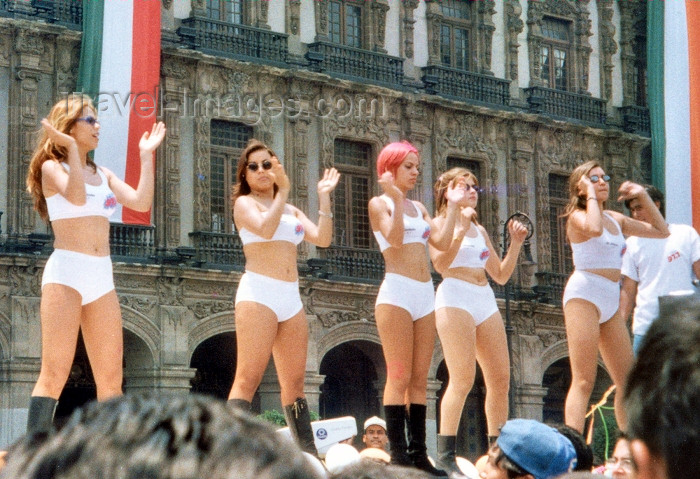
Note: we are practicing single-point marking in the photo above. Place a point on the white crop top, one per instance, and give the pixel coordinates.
(600, 252)
(290, 229)
(415, 228)
(99, 201)
(473, 252)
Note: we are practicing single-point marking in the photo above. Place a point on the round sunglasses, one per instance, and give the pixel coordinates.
(596, 178)
(266, 165)
(90, 120)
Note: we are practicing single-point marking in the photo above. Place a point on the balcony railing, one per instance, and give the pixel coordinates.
(132, 242)
(636, 119)
(353, 263)
(550, 286)
(465, 86)
(219, 250)
(356, 64)
(233, 40)
(68, 13)
(564, 104)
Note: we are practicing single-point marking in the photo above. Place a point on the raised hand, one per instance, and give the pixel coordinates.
(517, 231)
(279, 175)
(467, 215)
(59, 138)
(583, 185)
(456, 191)
(386, 183)
(629, 190)
(329, 181)
(150, 141)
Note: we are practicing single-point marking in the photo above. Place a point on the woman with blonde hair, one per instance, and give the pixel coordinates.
(467, 317)
(592, 294)
(404, 309)
(77, 288)
(270, 318)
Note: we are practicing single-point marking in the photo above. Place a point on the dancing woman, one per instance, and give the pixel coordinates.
(467, 317)
(592, 294)
(77, 288)
(405, 304)
(270, 318)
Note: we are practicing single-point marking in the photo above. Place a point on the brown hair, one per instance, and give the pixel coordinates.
(63, 116)
(242, 188)
(577, 201)
(444, 181)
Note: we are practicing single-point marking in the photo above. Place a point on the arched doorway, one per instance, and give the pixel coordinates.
(215, 362)
(352, 382)
(472, 441)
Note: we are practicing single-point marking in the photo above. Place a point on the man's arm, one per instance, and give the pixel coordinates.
(628, 295)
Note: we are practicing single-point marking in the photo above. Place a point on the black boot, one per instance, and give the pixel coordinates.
(396, 432)
(447, 456)
(416, 440)
(299, 422)
(40, 415)
(241, 404)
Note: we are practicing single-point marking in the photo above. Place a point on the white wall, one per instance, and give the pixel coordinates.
(499, 45)
(392, 39)
(617, 96)
(523, 59)
(276, 15)
(182, 8)
(594, 63)
(420, 36)
(4, 118)
(307, 20)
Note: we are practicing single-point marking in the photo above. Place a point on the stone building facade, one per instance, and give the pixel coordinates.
(519, 91)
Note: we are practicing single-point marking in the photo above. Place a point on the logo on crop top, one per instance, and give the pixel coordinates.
(426, 233)
(299, 229)
(624, 248)
(110, 202)
(484, 254)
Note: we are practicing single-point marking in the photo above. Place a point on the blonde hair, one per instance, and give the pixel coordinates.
(444, 181)
(63, 116)
(577, 200)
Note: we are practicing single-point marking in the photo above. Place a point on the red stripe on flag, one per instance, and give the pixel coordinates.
(145, 75)
(693, 17)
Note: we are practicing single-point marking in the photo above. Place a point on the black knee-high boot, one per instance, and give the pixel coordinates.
(299, 422)
(417, 450)
(241, 404)
(396, 432)
(447, 456)
(40, 415)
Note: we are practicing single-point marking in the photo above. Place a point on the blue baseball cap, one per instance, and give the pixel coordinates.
(537, 448)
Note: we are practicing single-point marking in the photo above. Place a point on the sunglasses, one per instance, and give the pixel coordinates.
(266, 165)
(468, 187)
(596, 178)
(90, 120)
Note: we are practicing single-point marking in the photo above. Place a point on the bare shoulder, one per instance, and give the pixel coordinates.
(378, 204)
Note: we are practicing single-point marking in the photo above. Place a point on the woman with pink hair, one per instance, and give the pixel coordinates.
(404, 310)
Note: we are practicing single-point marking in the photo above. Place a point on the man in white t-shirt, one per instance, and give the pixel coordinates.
(656, 267)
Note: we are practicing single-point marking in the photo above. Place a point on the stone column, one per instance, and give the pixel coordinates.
(431, 431)
(170, 379)
(529, 399)
(17, 378)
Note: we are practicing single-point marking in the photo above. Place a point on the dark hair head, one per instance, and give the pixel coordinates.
(655, 195)
(584, 452)
(242, 187)
(662, 394)
(160, 437)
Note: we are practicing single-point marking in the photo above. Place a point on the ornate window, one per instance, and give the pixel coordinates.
(230, 11)
(456, 34)
(227, 141)
(558, 198)
(354, 161)
(345, 23)
(554, 53)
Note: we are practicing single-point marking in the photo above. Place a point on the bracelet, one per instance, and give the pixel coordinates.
(591, 198)
(327, 215)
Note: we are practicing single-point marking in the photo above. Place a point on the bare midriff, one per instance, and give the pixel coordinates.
(87, 235)
(610, 273)
(410, 260)
(275, 259)
(470, 275)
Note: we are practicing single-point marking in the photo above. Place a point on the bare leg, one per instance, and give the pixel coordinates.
(582, 333)
(616, 350)
(396, 334)
(492, 354)
(457, 336)
(256, 328)
(289, 351)
(60, 322)
(104, 343)
(423, 346)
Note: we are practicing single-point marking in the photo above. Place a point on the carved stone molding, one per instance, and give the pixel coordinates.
(633, 19)
(514, 26)
(5, 44)
(25, 280)
(139, 323)
(575, 11)
(408, 20)
(293, 8)
(608, 46)
(209, 327)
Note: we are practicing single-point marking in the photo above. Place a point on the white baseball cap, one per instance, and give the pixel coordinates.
(375, 421)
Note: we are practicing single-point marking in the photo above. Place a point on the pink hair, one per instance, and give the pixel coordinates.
(392, 155)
